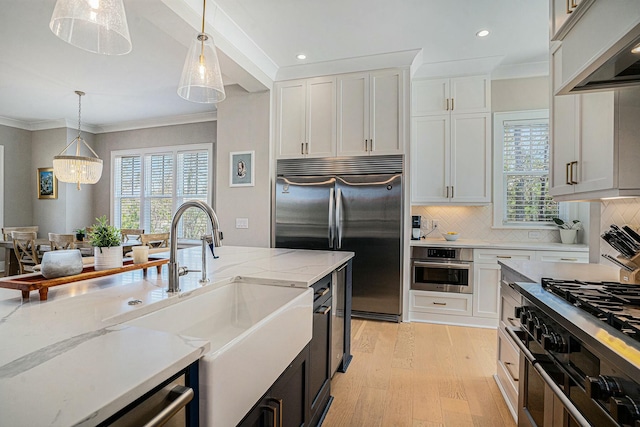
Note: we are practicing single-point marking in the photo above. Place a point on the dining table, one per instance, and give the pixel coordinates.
(11, 267)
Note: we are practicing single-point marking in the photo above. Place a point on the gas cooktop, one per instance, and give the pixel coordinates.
(615, 303)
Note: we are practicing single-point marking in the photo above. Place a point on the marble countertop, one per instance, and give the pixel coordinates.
(486, 244)
(534, 271)
(68, 361)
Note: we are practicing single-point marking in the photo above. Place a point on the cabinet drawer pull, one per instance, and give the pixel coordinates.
(569, 4)
(513, 321)
(507, 366)
(439, 303)
(306, 144)
(323, 310)
(279, 403)
(302, 148)
(568, 259)
(566, 171)
(572, 180)
(322, 292)
(452, 191)
(503, 256)
(274, 413)
(447, 104)
(447, 187)
(365, 145)
(451, 104)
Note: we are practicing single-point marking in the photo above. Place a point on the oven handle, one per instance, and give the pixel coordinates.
(518, 342)
(568, 405)
(441, 265)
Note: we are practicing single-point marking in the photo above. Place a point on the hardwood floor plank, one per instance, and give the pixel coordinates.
(418, 375)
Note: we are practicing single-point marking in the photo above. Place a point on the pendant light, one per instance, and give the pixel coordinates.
(77, 168)
(99, 26)
(201, 79)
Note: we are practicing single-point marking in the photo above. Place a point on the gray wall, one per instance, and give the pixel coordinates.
(72, 208)
(19, 191)
(196, 133)
(243, 125)
(520, 94)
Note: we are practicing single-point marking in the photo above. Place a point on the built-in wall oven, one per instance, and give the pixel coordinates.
(442, 269)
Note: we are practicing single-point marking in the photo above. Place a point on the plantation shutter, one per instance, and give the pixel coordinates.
(159, 192)
(526, 172)
(193, 179)
(128, 176)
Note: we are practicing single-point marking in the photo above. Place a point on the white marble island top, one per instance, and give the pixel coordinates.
(68, 361)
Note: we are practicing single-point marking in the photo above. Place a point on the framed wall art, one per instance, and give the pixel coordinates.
(241, 169)
(47, 184)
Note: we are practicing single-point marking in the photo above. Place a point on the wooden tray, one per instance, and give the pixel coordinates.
(37, 282)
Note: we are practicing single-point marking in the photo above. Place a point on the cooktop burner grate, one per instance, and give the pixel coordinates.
(615, 303)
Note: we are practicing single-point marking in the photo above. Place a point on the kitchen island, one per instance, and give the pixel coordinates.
(70, 361)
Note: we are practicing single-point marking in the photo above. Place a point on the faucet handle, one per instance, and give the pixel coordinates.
(183, 271)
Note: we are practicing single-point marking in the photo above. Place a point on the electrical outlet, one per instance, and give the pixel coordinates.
(242, 222)
(435, 223)
(534, 234)
(426, 223)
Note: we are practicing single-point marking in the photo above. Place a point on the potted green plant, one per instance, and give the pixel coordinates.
(568, 230)
(107, 245)
(80, 233)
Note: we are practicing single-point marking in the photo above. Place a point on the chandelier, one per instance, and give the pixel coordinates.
(201, 79)
(98, 26)
(76, 168)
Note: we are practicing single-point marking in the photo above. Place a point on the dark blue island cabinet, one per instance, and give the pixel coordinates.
(301, 396)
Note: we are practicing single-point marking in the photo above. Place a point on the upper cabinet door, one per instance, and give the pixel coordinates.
(471, 158)
(430, 159)
(430, 97)
(290, 118)
(470, 95)
(386, 117)
(321, 117)
(353, 114)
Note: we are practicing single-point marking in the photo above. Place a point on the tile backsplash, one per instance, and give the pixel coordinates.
(475, 222)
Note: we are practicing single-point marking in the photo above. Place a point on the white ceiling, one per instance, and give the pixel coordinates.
(39, 72)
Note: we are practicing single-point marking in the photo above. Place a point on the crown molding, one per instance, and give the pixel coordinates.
(158, 122)
(111, 127)
(348, 65)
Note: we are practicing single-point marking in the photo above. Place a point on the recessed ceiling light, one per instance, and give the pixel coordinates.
(301, 56)
(482, 33)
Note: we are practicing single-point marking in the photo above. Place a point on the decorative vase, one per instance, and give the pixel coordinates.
(107, 258)
(61, 263)
(568, 237)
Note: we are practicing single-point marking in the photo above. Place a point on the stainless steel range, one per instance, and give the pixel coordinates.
(581, 348)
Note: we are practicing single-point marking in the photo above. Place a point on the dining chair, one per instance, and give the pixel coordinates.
(61, 241)
(24, 246)
(155, 240)
(131, 234)
(6, 231)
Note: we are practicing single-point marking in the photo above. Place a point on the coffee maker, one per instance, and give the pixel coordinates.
(415, 227)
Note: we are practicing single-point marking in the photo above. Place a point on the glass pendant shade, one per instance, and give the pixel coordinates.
(201, 79)
(98, 26)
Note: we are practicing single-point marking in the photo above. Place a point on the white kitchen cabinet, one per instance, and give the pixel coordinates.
(563, 256)
(440, 303)
(371, 111)
(460, 95)
(451, 159)
(451, 141)
(305, 118)
(594, 145)
(560, 10)
(486, 295)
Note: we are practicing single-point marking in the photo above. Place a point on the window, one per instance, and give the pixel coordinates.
(150, 184)
(521, 171)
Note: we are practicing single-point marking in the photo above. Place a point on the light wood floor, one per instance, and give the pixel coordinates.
(418, 375)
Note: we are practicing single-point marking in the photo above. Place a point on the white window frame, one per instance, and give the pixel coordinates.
(498, 170)
(143, 152)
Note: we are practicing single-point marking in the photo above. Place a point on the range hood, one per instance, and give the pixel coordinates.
(597, 47)
(621, 69)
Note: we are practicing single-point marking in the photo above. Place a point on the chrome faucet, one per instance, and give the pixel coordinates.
(175, 271)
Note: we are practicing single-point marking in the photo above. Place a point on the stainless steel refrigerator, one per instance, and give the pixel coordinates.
(348, 204)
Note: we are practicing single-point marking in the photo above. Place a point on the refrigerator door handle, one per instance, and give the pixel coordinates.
(339, 218)
(332, 217)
